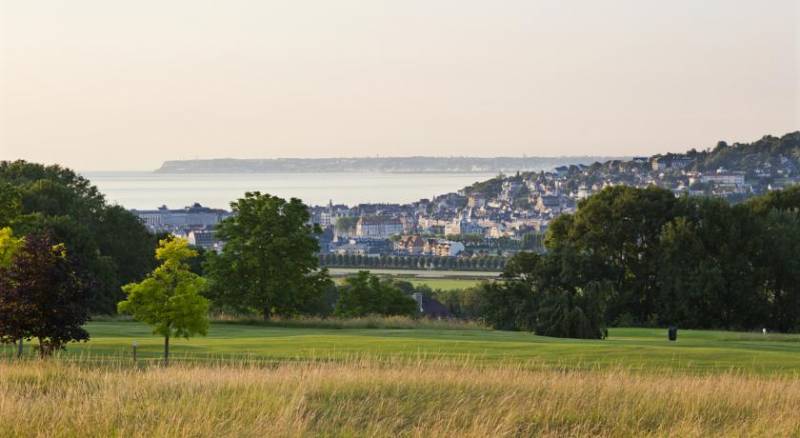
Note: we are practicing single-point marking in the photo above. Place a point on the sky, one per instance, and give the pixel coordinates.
(125, 85)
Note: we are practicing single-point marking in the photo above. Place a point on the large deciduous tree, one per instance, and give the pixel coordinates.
(619, 229)
(42, 296)
(269, 262)
(169, 299)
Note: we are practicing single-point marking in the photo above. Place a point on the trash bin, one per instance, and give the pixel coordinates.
(672, 333)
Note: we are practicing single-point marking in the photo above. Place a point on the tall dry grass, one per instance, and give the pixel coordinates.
(366, 398)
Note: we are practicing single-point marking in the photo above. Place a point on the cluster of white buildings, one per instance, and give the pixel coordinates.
(418, 245)
(195, 223)
(378, 227)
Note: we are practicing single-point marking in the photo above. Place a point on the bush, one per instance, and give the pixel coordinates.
(364, 294)
(534, 297)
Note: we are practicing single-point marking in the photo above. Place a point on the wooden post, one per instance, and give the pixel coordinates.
(134, 351)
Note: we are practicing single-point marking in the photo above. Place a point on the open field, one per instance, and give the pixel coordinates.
(444, 280)
(696, 352)
(422, 273)
(405, 398)
(443, 283)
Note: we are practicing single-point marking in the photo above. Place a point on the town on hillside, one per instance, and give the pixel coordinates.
(494, 219)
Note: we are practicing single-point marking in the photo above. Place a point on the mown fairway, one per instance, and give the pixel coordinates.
(632, 349)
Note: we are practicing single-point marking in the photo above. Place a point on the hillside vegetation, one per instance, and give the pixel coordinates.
(769, 152)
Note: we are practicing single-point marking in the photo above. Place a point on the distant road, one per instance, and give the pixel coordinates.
(422, 273)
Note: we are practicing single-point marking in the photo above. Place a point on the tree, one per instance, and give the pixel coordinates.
(42, 296)
(546, 294)
(619, 229)
(269, 260)
(109, 244)
(10, 204)
(9, 245)
(169, 298)
(779, 265)
(365, 294)
(346, 225)
(783, 200)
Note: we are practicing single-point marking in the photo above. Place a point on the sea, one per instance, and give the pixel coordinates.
(149, 190)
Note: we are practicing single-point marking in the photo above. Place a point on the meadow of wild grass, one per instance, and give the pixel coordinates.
(329, 379)
(404, 398)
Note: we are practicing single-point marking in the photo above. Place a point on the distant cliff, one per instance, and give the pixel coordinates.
(385, 165)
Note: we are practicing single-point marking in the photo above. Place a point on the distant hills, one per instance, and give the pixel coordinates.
(379, 165)
(733, 171)
(769, 155)
(760, 156)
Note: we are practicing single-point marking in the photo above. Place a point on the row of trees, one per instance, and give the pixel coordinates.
(477, 263)
(42, 295)
(633, 256)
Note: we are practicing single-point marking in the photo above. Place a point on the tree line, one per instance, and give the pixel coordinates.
(111, 245)
(627, 256)
(476, 263)
(632, 256)
(54, 273)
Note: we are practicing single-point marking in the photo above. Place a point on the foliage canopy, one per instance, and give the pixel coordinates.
(269, 262)
(169, 299)
(42, 296)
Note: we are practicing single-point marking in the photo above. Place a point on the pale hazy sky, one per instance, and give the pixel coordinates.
(111, 84)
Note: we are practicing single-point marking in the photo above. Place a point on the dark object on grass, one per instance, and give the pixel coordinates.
(672, 333)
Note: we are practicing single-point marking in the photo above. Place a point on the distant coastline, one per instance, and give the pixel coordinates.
(378, 165)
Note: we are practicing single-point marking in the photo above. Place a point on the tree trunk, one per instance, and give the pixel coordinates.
(166, 350)
(19, 347)
(266, 313)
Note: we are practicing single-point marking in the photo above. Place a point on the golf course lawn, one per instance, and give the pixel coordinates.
(444, 283)
(629, 348)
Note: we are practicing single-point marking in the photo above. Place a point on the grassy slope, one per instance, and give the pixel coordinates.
(695, 351)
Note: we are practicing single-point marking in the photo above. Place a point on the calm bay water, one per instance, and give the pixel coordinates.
(147, 190)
